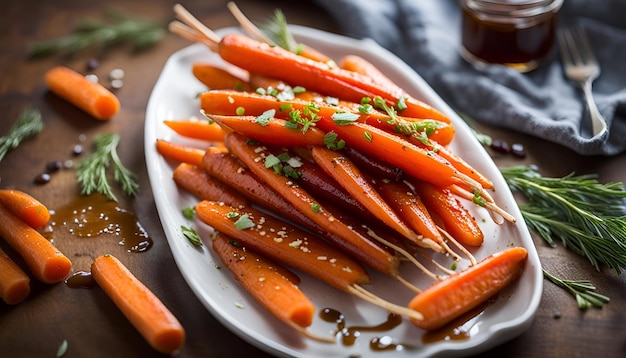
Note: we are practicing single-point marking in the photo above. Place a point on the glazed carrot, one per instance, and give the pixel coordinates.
(180, 152)
(462, 291)
(225, 102)
(457, 221)
(141, 306)
(290, 246)
(14, 283)
(284, 243)
(24, 206)
(89, 96)
(270, 130)
(353, 242)
(197, 129)
(361, 65)
(257, 57)
(265, 281)
(374, 167)
(196, 181)
(354, 182)
(217, 78)
(411, 209)
(44, 260)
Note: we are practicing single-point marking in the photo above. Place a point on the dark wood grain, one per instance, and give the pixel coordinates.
(87, 318)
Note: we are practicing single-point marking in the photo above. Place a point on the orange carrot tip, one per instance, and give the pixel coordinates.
(89, 96)
(180, 152)
(45, 261)
(14, 283)
(142, 307)
(25, 207)
(461, 292)
(197, 129)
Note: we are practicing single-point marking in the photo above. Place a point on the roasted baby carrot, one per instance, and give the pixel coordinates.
(14, 283)
(180, 152)
(197, 129)
(142, 307)
(218, 78)
(451, 297)
(457, 221)
(354, 182)
(284, 243)
(258, 57)
(270, 130)
(225, 102)
(290, 246)
(89, 96)
(265, 280)
(368, 252)
(26, 207)
(44, 260)
(411, 209)
(196, 181)
(361, 65)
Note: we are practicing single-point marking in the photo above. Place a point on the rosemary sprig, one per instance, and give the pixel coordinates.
(95, 34)
(582, 290)
(276, 29)
(586, 215)
(28, 124)
(92, 170)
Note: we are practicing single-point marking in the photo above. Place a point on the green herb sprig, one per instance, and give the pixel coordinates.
(91, 34)
(582, 290)
(28, 124)
(91, 171)
(587, 216)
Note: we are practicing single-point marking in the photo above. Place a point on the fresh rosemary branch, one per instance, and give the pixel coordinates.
(586, 215)
(95, 34)
(583, 290)
(92, 170)
(28, 124)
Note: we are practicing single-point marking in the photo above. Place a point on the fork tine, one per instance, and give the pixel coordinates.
(585, 46)
(564, 46)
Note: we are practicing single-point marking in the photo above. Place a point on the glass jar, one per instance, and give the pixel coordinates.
(515, 33)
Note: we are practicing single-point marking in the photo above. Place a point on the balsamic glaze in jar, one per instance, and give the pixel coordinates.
(515, 33)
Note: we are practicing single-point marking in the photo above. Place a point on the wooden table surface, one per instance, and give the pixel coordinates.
(89, 322)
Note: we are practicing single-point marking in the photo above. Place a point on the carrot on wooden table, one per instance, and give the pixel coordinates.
(268, 282)
(142, 307)
(367, 251)
(197, 129)
(14, 283)
(43, 259)
(180, 152)
(25, 207)
(218, 78)
(457, 221)
(460, 292)
(89, 96)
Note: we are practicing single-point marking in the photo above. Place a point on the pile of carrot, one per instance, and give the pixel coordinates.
(347, 155)
(20, 217)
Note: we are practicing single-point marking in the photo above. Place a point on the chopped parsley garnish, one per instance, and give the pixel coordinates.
(344, 118)
(332, 142)
(191, 235)
(244, 222)
(265, 118)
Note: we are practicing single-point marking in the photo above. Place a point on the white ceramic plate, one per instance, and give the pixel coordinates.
(174, 97)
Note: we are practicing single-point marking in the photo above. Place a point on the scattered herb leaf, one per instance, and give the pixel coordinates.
(582, 290)
(191, 235)
(244, 222)
(189, 212)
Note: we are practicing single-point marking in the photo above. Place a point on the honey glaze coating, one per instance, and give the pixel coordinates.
(96, 216)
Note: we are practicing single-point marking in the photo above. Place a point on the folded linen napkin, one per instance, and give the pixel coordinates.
(542, 103)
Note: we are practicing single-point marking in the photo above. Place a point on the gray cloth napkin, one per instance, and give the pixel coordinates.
(542, 103)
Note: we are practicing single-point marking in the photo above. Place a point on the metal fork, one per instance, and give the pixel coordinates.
(581, 66)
